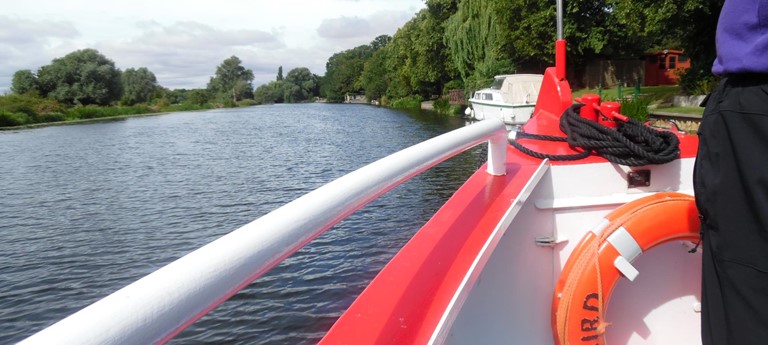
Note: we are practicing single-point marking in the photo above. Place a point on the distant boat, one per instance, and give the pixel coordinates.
(511, 98)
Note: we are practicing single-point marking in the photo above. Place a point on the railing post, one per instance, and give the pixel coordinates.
(497, 154)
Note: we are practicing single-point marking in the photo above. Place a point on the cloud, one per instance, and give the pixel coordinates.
(185, 54)
(25, 44)
(344, 27)
(379, 23)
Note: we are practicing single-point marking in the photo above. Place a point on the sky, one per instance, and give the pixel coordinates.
(182, 41)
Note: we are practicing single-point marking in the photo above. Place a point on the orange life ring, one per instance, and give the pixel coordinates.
(604, 255)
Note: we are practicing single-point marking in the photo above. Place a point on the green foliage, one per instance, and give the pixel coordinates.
(636, 108)
(474, 36)
(411, 102)
(375, 75)
(186, 107)
(95, 111)
(138, 85)
(24, 81)
(279, 73)
(81, 77)
(232, 81)
(698, 81)
(268, 93)
(300, 85)
(442, 105)
(343, 71)
(453, 85)
(246, 103)
(9, 119)
(35, 109)
(197, 97)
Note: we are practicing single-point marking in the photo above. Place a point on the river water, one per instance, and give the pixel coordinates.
(88, 209)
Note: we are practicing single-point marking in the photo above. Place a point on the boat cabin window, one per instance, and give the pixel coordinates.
(497, 83)
(487, 97)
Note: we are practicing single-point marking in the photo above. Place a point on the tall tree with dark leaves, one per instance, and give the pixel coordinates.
(81, 77)
(232, 80)
(24, 81)
(138, 85)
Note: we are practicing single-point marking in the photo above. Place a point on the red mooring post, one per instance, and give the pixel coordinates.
(609, 111)
(591, 101)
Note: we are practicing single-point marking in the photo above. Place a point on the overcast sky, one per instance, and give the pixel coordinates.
(182, 41)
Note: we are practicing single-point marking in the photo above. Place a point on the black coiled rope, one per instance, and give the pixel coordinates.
(632, 143)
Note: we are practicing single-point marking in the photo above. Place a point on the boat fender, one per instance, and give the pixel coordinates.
(606, 253)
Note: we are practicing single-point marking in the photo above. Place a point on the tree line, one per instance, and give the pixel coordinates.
(450, 44)
(86, 77)
(463, 43)
(86, 84)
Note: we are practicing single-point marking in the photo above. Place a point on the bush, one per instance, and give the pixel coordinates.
(442, 105)
(50, 117)
(697, 81)
(246, 102)
(636, 108)
(453, 85)
(410, 102)
(9, 119)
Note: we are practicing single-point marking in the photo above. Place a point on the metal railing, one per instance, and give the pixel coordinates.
(160, 305)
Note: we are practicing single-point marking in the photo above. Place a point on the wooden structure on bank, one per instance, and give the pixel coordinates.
(665, 67)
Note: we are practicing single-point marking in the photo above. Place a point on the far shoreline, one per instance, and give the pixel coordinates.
(94, 120)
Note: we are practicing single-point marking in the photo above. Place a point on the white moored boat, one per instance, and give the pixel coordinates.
(542, 245)
(511, 98)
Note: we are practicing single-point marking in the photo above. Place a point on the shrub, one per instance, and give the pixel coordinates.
(442, 105)
(636, 108)
(246, 102)
(698, 81)
(50, 117)
(410, 102)
(9, 119)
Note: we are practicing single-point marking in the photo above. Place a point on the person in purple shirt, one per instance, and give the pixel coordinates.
(731, 181)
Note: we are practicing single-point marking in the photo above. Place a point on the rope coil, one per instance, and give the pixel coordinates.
(632, 143)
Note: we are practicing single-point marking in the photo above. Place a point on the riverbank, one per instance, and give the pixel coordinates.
(83, 121)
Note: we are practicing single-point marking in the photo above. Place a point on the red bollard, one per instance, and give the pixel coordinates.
(608, 110)
(590, 100)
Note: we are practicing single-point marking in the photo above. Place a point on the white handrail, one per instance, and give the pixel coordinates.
(159, 306)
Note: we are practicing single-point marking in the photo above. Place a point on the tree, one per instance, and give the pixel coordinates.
(138, 85)
(24, 81)
(375, 75)
(343, 71)
(197, 97)
(380, 41)
(232, 80)
(279, 73)
(81, 77)
(274, 92)
(417, 59)
(475, 38)
(302, 85)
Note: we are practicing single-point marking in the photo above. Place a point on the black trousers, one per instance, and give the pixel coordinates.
(731, 187)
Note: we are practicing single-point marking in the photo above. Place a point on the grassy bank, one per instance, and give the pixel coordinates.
(649, 99)
(23, 111)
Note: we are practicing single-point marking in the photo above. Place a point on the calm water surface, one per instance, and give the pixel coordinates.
(88, 209)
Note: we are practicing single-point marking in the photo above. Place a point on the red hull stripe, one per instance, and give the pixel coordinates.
(405, 302)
